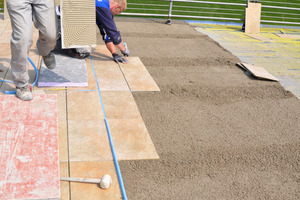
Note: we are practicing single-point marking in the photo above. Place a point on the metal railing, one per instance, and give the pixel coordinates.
(273, 12)
(1, 9)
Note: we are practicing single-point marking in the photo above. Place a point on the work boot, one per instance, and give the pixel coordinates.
(24, 93)
(49, 61)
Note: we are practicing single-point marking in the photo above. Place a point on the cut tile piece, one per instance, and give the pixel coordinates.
(88, 141)
(102, 52)
(259, 72)
(131, 139)
(63, 140)
(120, 105)
(64, 186)
(82, 191)
(288, 36)
(259, 37)
(84, 105)
(68, 72)
(137, 76)
(62, 123)
(78, 33)
(29, 166)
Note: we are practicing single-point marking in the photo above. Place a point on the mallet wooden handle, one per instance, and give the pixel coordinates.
(81, 180)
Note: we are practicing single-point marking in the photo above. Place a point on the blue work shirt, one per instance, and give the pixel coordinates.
(106, 24)
(103, 3)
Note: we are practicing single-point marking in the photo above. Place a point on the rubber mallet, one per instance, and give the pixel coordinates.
(104, 182)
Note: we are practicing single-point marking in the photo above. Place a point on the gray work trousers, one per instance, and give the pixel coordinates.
(22, 13)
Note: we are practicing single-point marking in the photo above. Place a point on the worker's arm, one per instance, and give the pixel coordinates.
(106, 23)
(110, 34)
(111, 47)
(108, 29)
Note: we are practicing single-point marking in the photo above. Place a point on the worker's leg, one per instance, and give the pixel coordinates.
(45, 21)
(20, 13)
(58, 46)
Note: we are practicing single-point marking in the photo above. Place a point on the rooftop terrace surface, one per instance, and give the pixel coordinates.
(206, 131)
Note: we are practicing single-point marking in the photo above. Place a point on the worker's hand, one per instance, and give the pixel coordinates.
(118, 58)
(126, 52)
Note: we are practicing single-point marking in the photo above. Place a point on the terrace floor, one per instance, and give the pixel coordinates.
(84, 148)
(217, 134)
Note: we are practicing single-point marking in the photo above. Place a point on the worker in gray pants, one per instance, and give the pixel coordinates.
(22, 13)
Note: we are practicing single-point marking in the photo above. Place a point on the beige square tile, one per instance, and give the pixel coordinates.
(8, 28)
(3, 25)
(92, 83)
(35, 35)
(5, 32)
(64, 186)
(5, 61)
(109, 75)
(102, 52)
(84, 105)
(5, 50)
(86, 191)
(5, 37)
(120, 105)
(131, 139)
(137, 75)
(88, 141)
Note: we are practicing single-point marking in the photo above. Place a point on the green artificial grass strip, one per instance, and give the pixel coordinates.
(215, 10)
